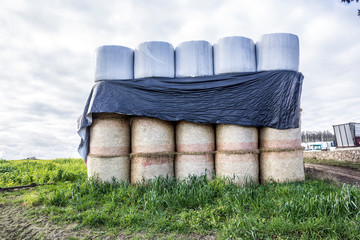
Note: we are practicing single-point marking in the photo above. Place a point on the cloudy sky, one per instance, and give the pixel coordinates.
(47, 57)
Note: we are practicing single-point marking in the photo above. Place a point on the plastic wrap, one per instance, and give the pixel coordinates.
(194, 58)
(234, 54)
(257, 99)
(154, 59)
(278, 51)
(114, 62)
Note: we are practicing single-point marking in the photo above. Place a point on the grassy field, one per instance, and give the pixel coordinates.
(167, 207)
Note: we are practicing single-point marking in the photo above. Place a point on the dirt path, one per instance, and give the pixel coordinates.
(15, 224)
(339, 174)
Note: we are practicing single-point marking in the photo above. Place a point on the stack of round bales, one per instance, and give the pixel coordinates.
(152, 140)
(237, 146)
(282, 157)
(110, 132)
(195, 142)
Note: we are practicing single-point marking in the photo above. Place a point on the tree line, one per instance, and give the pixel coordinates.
(317, 136)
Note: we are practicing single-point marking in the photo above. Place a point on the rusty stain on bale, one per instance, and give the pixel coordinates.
(109, 135)
(277, 138)
(286, 164)
(107, 168)
(151, 167)
(242, 167)
(151, 135)
(194, 138)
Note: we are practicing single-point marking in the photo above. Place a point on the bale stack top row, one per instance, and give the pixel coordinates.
(276, 51)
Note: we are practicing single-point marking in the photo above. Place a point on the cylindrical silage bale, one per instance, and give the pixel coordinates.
(109, 135)
(108, 168)
(233, 55)
(281, 157)
(153, 141)
(237, 146)
(278, 51)
(109, 147)
(114, 62)
(154, 59)
(194, 58)
(152, 144)
(237, 153)
(195, 142)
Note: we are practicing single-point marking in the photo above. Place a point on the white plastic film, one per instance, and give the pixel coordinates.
(114, 62)
(234, 54)
(194, 58)
(154, 59)
(278, 51)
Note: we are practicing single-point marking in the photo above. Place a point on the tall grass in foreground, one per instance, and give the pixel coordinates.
(311, 209)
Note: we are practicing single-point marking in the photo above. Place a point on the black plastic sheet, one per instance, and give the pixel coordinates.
(269, 98)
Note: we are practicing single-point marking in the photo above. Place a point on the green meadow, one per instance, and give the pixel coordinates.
(314, 209)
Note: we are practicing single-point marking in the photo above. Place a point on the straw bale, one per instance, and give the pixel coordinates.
(107, 168)
(151, 167)
(151, 135)
(197, 165)
(282, 166)
(242, 167)
(109, 135)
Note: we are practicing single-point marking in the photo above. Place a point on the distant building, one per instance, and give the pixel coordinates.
(319, 146)
(347, 135)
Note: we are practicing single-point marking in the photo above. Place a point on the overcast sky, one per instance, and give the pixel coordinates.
(47, 57)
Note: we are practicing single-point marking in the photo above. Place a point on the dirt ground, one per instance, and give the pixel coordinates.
(15, 222)
(337, 174)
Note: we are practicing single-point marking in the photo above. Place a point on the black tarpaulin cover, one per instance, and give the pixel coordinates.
(268, 98)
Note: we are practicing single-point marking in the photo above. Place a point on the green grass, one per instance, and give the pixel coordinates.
(348, 164)
(312, 209)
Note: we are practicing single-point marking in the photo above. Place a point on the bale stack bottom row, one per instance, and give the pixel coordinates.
(244, 154)
(137, 148)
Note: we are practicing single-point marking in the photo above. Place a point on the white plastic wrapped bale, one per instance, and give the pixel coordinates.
(109, 147)
(114, 62)
(237, 156)
(152, 144)
(154, 59)
(234, 54)
(192, 141)
(194, 58)
(108, 168)
(283, 159)
(278, 51)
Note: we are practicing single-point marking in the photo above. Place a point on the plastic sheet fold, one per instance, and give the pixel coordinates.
(260, 99)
